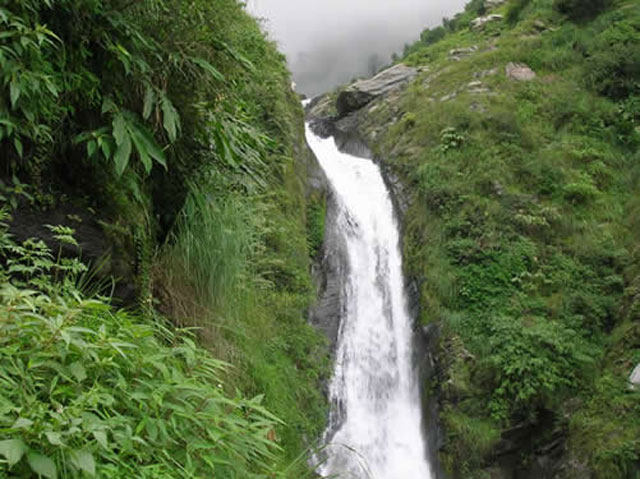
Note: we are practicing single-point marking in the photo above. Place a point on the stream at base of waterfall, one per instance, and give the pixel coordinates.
(375, 426)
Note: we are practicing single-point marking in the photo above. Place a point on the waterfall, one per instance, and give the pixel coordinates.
(375, 424)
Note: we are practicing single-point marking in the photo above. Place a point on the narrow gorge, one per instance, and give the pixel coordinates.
(375, 425)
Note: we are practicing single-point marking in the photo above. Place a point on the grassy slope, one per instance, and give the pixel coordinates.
(234, 258)
(523, 229)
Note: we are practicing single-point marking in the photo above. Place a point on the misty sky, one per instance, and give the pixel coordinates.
(329, 42)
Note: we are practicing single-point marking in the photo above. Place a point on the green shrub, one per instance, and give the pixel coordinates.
(433, 35)
(534, 364)
(613, 63)
(580, 193)
(87, 390)
(581, 9)
(516, 7)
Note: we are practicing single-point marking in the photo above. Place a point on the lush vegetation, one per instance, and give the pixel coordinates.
(90, 390)
(164, 133)
(523, 228)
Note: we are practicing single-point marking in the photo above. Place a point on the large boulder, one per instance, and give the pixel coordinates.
(363, 92)
(519, 72)
(480, 22)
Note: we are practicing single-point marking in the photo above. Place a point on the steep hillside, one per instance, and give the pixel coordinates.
(513, 145)
(159, 143)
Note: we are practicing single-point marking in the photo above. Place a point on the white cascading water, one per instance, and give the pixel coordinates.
(375, 426)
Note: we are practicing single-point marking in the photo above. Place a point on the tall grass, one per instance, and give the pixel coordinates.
(208, 252)
(231, 267)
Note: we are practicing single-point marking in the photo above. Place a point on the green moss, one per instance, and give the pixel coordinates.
(316, 214)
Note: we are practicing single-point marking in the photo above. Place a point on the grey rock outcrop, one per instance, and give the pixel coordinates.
(519, 72)
(460, 53)
(363, 92)
(480, 22)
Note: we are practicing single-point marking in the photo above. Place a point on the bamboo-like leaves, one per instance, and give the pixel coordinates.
(209, 68)
(170, 118)
(127, 134)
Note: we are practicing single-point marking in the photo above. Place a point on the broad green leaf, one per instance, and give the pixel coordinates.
(18, 145)
(13, 450)
(14, 92)
(208, 67)
(145, 141)
(22, 423)
(119, 129)
(105, 146)
(149, 98)
(42, 465)
(122, 155)
(91, 148)
(54, 438)
(84, 461)
(101, 437)
(170, 119)
(78, 371)
(143, 153)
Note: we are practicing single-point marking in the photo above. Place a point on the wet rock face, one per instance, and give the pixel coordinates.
(330, 274)
(363, 92)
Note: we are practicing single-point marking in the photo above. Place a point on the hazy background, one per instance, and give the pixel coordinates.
(329, 42)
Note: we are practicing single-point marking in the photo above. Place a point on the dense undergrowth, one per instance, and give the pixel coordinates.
(89, 390)
(523, 229)
(164, 133)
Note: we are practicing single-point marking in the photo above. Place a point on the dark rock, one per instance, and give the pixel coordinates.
(363, 92)
(330, 274)
(540, 441)
(95, 249)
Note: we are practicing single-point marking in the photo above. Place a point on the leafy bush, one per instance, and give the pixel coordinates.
(613, 63)
(516, 7)
(580, 192)
(89, 390)
(534, 364)
(47, 87)
(433, 35)
(450, 139)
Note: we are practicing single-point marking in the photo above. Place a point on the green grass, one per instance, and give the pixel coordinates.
(237, 268)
